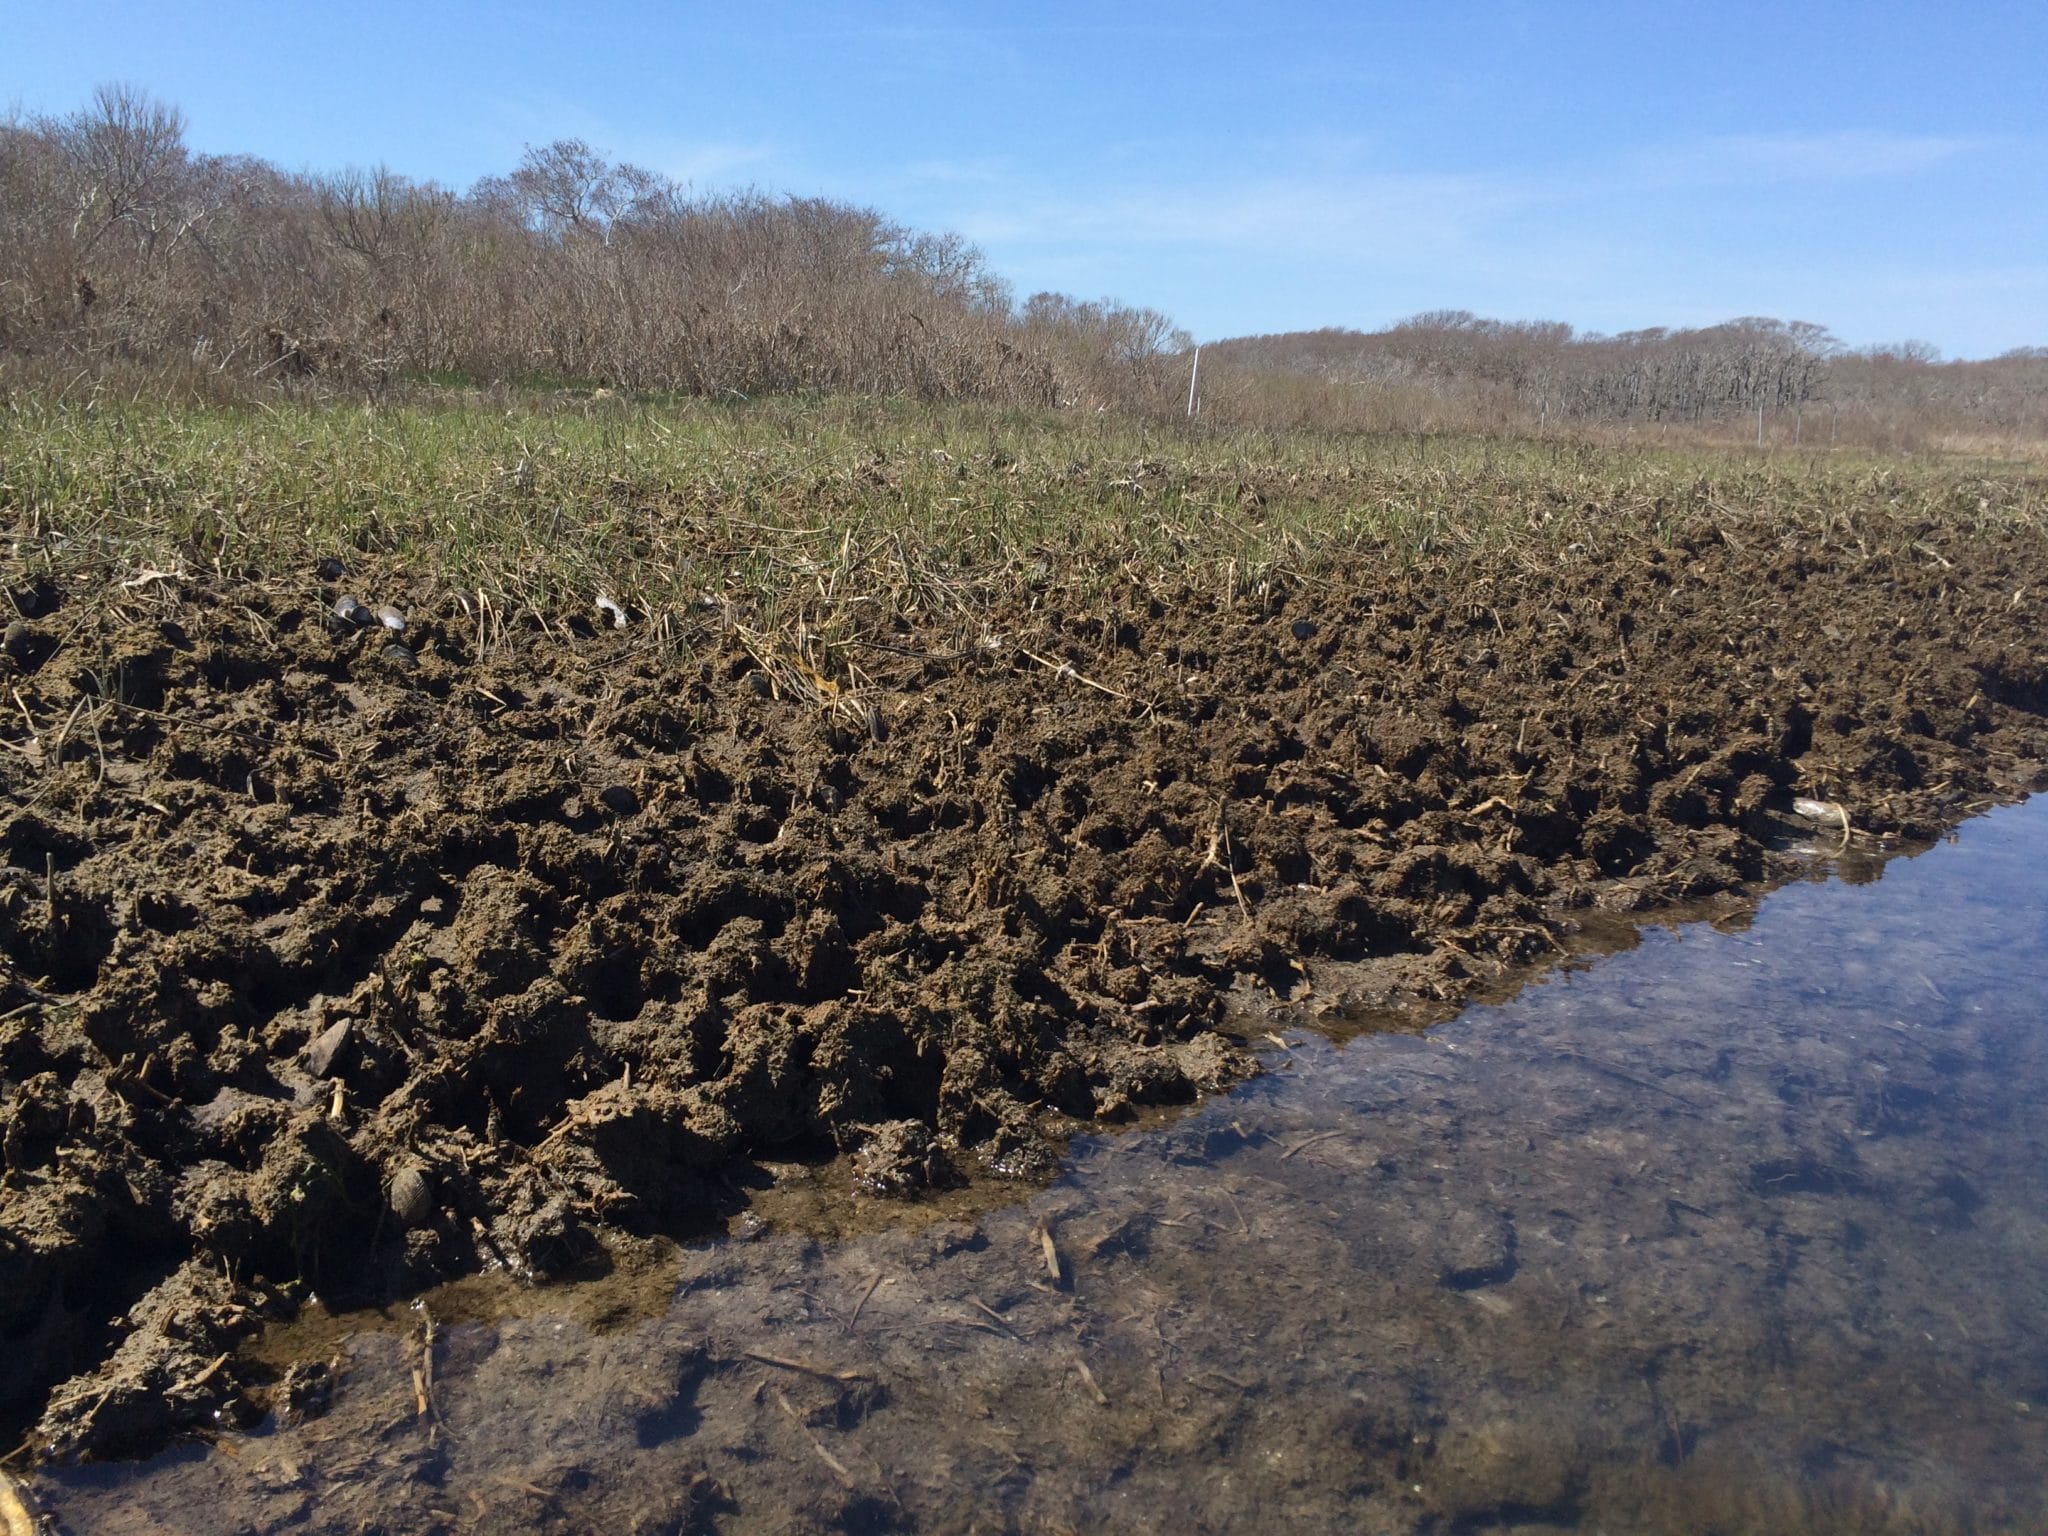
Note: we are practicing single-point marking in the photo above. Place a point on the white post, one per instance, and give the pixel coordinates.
(1194, 374)
(1759, 423)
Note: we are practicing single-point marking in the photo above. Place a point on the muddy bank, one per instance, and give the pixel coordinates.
(343, 958)
(1733, 1234)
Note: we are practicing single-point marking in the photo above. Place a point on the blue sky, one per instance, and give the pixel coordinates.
(1880, 168)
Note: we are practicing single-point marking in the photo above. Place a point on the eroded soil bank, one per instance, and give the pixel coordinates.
(1737, 1233)
(343, 959)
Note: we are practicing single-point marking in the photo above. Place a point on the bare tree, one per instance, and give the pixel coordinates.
(129, 150)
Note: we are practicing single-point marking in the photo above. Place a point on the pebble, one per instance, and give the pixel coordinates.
(1476, 1249)
(322, 1054)
(1303, 629)
(411, 1196)
(21, 639)
(330, 569)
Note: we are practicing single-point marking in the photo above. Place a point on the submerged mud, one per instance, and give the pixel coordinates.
(1738, 1232)
(341, 963)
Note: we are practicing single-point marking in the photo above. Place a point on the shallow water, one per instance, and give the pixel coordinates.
(1736, 1231)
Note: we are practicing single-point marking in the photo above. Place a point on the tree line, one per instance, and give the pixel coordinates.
(123, 249)
(1457, 368)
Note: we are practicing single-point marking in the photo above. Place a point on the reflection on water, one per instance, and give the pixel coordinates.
(1738, 1231)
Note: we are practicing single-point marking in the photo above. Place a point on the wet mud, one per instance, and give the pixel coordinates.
(1736, 1234)
(341, 960)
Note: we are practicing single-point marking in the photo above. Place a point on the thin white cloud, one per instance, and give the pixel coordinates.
(1327, 208)
(704, 166)
(1849, 155)
(1355, 215)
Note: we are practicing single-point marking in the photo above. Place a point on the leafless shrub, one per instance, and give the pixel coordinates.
(1792, 381)
(125, 254)
(117, 243)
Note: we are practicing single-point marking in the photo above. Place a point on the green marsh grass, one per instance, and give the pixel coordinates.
(837, 515)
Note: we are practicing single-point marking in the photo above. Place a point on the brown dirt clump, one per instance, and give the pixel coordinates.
(348, 962)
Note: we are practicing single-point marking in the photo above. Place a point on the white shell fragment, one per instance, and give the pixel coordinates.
(1826, 812)
(350, 611)
(606, 606)
(392, 620)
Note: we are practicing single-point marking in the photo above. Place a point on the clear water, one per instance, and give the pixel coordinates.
(1736, 1231)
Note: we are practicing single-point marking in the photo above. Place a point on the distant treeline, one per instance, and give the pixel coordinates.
(1463, 371)
(122, 251)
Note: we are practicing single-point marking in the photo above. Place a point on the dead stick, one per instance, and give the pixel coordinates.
(1308, 1141)
(1067, 669)
(64, 734)
(1230, 868)
(821, 1372)
(202, 1378)
(873, 1281)
(839, 1468)
(994, 1316)
(1094, 1387)
(1052, 1254)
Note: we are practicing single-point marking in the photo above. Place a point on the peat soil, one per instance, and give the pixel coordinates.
(342, 960)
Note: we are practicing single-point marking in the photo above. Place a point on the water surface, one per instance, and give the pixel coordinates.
(1736, 1231)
